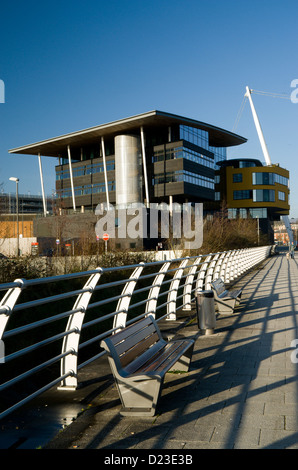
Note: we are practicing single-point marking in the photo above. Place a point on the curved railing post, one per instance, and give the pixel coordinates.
(233, 265)
(229, 267)
(217, 268)
(124, 301)
(210, 272)
(154, 291)
(245, 260)
(8, 302)
(200, 282)
(173, 291)
(69, 363)
(189, 283)
(240, 261)
(225, 267)
(6, 307)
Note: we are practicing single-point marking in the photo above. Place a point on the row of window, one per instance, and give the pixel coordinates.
(244, 213)
(201, 138)
(269, 179)
(183, 152)
(257, 195)
(85, 170)
(263, 178)
(195, 136)
(220, 153)
(184, 176)
(87, 189)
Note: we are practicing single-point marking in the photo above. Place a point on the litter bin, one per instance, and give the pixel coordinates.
(206, 311)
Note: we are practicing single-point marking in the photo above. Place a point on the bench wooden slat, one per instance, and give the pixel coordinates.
(129, 330)
(138, 349)
(137, 337)
(165, 358)
(138, 363)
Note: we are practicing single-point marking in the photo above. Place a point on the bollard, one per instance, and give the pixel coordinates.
(206, 311)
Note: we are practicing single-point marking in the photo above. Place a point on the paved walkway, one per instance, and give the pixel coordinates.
(241, 391)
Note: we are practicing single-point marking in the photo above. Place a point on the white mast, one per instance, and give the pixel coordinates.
(258, 127)
(267, 156)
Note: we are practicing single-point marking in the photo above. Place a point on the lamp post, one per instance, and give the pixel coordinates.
(12, 178)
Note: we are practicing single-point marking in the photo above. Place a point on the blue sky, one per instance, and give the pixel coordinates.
(71, 65)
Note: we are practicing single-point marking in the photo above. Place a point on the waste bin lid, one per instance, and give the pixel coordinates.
(206, 293)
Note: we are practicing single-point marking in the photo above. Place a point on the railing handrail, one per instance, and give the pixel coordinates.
(186, 275)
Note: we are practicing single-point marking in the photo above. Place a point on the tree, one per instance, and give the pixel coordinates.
(222, 233)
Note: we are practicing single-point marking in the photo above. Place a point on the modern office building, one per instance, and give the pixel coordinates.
(25, 208)
(151, 157)
(251, 189)
(27, 204)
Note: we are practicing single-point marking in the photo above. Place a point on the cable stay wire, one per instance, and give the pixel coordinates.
(240, 113)
(258, 92)
(273, 95)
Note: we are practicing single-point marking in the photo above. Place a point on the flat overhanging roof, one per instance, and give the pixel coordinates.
(57, 146)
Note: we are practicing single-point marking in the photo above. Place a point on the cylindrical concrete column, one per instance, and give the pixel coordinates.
(128, 170)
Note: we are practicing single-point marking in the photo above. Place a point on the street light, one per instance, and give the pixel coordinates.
(12, 178)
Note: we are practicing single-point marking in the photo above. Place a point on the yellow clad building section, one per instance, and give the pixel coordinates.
(247, 184)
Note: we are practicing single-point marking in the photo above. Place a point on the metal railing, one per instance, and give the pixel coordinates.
(66, 323)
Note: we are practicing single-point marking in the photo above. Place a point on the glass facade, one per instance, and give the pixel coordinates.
(220, 153)
(183, 152)
(263, 195)
(200, 138)
(195, 136)
(255, 213)
(265, 178)
(242, 194)
(237, 178)
(183, 176)
(281, 196)
(87, 189)
(246, 164)
(85, 170)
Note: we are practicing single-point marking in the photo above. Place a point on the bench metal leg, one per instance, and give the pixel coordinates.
(226, 306)
(139, 398)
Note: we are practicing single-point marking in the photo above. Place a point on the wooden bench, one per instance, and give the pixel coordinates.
(139, 358)
(226, 300)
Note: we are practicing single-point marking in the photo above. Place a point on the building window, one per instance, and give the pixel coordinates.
(244, 194)
(183, 176)
(220, 154)
(237, 213)
(182, 152)
(258, 212)
(85, 170)
(281, 180)
(87, 189)
(243, 213)
(245, 164)
(269, 179)
(198, 137)
(281, 196)
(263, 195)
(237, 178)
(217, 196)
(263, 178)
